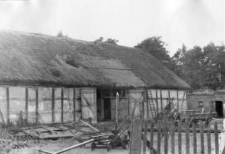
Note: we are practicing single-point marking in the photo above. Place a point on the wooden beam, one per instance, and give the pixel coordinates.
(62, 97)
(36, 103)
(74, 104)
(161, 100)
(53, 105)
(177, 100)
(26, 104)
(7, 106)
(169, 95)
(157, 105)
(135, 145)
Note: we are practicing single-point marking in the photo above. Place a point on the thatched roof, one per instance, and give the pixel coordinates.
(36, 59)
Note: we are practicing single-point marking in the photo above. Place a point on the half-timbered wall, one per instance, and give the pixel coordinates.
(46, 104)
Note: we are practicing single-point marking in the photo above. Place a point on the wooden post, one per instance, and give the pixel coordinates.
(145, 136)
(187, 137)
(216, 138)
(146, 97)
(209, 141)
(151, 138)
(36, 104)
(157, 105)
(62, 98)
(158, 137)
(117, 99)
(161, 100)
(179, 138)
(202, 138)
(169, 95)
(172, 140)
(177, 100)
(53, 105)
(74, 104)
(26, 104)
(194, 140)
(165, 132)
(135, 145)
(8, 105)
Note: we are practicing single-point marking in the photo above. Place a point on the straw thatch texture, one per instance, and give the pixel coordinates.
(37, 59)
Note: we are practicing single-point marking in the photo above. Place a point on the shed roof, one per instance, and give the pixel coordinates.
(37, 59)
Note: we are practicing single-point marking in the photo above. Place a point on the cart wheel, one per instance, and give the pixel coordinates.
(92, 146)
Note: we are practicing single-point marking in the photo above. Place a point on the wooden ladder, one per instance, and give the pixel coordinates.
(151, 104)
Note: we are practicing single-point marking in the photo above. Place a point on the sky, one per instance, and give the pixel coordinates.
(189, 22)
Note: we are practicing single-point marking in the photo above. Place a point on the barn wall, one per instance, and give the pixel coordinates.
(46, 104)
(193, 102)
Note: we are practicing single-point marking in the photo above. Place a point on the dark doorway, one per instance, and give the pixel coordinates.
(107, 109)
(219, 109)
(103, 105)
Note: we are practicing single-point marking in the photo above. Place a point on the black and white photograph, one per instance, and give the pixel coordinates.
(112, 76)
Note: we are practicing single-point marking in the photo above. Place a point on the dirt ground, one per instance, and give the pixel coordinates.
(56, 145)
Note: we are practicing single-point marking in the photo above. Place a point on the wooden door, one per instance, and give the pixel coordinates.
(88, 104)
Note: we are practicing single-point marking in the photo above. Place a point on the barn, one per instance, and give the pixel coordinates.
(47, 79)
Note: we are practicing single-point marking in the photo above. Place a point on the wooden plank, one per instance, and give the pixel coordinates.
(172, 140)
(216, 138)
(159, 137)
(36, 104)
(177, 100)
(179, 138)
(165, 132)
(169, 95)
(26, 104)
(202, 138)
(146, 101)
(53, 105)
(62, 109)
(161, 100)
(194, 140)
(145, 136)
(7, 106)
(209, 141)
(187, 137)
(151, 138)
(74, 104)
(157, 105)
(135, 145)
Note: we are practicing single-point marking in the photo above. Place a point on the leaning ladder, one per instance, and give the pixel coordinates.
(151, 104)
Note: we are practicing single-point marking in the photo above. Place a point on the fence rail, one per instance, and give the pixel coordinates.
(169, 138)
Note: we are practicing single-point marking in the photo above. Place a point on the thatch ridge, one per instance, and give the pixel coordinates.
(43, 59)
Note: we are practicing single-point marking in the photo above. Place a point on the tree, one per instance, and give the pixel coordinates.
(60, 34)
(156, 47)
(112, 41)
(202, 67)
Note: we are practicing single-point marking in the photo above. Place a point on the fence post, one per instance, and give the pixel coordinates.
(179, 138)
(172, 140)
(145, 136)
(222, 140)
(209, 140)
(202, 138)
(194, 140)
(159, 137)
(165, 133)
(151, 138)
(216, 138)
(187, 136)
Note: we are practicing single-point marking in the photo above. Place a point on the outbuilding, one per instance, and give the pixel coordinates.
(47, 79)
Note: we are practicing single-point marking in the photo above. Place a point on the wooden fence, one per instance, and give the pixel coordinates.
(171, 138)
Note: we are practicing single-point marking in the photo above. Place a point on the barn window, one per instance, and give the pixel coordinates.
(200, 104)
